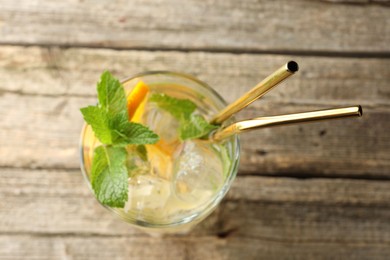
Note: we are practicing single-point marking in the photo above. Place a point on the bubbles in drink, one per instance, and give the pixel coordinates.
(147, 192)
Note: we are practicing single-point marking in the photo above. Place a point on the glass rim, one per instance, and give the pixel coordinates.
(176, 74)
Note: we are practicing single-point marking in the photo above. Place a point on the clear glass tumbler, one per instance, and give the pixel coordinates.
(182, 182)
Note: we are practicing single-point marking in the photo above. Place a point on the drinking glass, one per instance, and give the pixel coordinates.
(175, 199)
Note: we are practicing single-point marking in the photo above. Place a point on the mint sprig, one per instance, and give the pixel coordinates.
(110, 122)
(192, 125)
(109, 119)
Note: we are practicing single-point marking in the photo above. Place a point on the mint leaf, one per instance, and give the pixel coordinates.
(191, 126)
(134, 133)
(109, 175)
(111, 95)
(195, 127)
(179, 108)
(99, 122)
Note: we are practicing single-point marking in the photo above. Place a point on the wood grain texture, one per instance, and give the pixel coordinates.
(51, 214)
(43, 89)
(315, 191)
(32, 247)
(359, 1)
(59, 202)
(74, 72)
(282, 26)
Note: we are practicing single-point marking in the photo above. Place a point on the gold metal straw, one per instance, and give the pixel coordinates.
(261, 122)
(258, 91)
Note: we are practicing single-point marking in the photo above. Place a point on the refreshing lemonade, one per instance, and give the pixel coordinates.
(174, 183)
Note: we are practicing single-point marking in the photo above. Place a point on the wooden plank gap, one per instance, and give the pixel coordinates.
(232, 50)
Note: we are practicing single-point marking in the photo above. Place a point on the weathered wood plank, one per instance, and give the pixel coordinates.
(51, 214)
(316, 190)
(59, 202)
(321, 80)
(214, 25)
(20, 247)
(342, 147)
(40, 131)
(31, 247)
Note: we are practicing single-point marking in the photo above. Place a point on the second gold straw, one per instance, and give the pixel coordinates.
(268, 121)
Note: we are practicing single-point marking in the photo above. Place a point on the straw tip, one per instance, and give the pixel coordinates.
(360, 110)
(292, 66)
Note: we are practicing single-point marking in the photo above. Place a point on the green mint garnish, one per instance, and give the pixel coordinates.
(178, 108)
(110, 122)
(133, 133)
(191, 125)
(98, 120)
(111, 96)
(109, 175)
(195, 127)
(109, 119)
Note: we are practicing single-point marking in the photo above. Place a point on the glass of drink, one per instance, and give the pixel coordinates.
(181, 182)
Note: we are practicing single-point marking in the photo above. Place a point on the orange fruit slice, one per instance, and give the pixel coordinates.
(136, 98)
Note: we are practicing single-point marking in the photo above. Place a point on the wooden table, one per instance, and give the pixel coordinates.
(315, 191)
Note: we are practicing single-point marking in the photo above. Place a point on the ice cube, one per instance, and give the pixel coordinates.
(198, 172)
(162, 123)
(147, 193)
